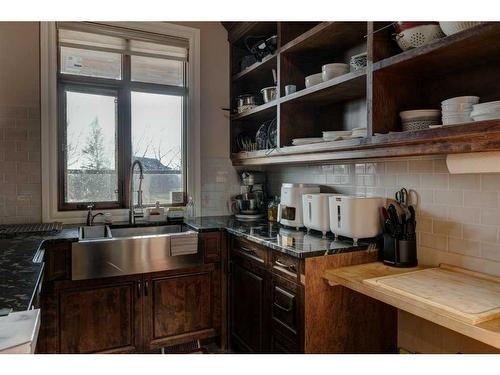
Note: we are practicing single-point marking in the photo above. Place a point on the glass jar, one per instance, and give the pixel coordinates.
(272, 209)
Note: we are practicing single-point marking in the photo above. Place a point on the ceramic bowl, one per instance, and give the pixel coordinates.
(330, 71)
(313, 79)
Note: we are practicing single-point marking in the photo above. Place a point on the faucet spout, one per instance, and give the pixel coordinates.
(132, 213)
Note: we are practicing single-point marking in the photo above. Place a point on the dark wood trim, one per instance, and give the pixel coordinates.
(473, 137)
(122, 89)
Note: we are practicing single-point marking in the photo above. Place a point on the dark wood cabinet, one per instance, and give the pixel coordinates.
(248, 308)
(178, 306)
(137, 313)
(281, 304)
(100, 319)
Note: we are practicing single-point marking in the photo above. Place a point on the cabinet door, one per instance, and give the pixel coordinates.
(178, 308)
(248, 309)
(210, 245)
(100, 319)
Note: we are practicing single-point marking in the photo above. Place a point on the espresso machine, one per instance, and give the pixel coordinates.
(250, 204)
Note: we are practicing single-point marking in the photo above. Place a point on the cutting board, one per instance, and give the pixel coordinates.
(469, 296)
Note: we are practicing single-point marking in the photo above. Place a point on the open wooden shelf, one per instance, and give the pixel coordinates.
(263, 111)
(471, 137)
(466, 49)
(466, 63)
(345, 87)
(267, 63)
(333, 36)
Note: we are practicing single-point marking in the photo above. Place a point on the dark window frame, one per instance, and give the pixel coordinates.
(123, 88)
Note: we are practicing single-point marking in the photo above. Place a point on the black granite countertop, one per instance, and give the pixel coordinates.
(299, 244)
(19, 273)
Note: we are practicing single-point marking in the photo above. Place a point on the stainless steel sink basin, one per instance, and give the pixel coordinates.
(96, 231)
(144, 231)
(106, 252)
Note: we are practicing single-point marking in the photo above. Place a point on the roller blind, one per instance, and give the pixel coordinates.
(98, 37)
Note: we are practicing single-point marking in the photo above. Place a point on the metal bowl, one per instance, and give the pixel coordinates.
(268, 93)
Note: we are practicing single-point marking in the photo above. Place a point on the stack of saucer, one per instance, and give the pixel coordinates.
(486, 111)
(458, 110)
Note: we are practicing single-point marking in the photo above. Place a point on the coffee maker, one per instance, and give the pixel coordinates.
(250, 204)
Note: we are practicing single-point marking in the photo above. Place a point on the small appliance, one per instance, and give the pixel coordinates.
(290, 208)
(250, 204)
(355, 217)
(316, 213)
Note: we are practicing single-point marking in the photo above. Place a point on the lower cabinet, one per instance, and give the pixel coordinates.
(100, 319)
(248, 308)
(134, 315)
(265, 309)
(178, 307)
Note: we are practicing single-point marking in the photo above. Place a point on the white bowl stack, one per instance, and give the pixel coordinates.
(458, 110)
(486, 111)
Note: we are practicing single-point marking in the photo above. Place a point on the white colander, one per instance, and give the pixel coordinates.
(418, 36)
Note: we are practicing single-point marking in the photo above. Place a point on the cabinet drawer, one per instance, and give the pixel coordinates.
(285, 266)
(250, 251)
(285, 306)
(282, 345)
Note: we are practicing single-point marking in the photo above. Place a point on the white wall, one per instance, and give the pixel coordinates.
(219, 180)
(20, 186)
(458, 216)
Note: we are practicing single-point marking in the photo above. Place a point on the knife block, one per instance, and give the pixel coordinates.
(399, 253)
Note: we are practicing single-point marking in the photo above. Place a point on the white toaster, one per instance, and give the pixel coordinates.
(315, 212)
(355, 217)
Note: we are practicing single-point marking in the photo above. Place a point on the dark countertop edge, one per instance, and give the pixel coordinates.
(294, 253)
(37, 283)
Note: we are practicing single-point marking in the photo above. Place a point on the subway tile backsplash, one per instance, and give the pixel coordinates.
(20, 185)
(457, 214)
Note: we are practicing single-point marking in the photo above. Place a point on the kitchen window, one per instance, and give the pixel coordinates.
(122, 96)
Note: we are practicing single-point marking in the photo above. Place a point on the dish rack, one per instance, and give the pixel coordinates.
(10, 229)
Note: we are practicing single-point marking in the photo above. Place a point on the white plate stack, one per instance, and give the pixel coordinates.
(458, 110)
(360, 132)
(486, 111)
(336, 135)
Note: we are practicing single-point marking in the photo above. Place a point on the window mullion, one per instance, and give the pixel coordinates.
(125, 134)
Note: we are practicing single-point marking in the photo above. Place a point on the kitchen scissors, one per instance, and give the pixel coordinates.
(402, 199)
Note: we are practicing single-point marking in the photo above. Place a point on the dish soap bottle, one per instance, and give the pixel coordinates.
(190, 208)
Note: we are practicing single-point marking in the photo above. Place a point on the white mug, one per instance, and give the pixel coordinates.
(290, 89)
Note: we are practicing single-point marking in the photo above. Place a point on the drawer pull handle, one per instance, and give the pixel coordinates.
(139, 289)
(285, 309)
(285, 266)
(247, 250)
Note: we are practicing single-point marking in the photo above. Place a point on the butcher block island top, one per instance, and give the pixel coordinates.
(461, 300)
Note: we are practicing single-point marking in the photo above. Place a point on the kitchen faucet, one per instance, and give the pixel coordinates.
(132, 215)
(90, 217)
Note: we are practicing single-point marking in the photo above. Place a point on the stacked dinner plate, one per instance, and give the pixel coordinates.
(486, 111)
(458, 110)
(336, 135)
(360, 132)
